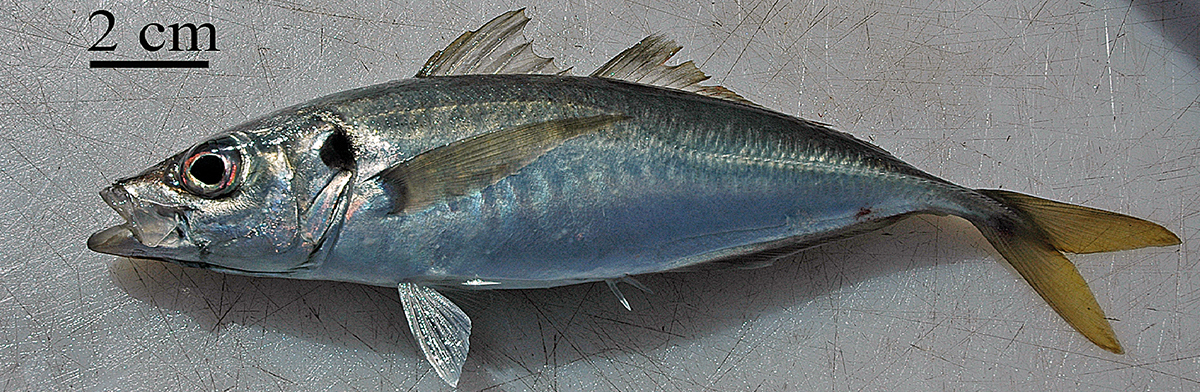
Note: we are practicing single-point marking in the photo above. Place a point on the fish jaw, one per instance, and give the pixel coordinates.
(151, 230)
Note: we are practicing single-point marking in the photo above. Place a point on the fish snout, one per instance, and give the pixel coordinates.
(147, 225)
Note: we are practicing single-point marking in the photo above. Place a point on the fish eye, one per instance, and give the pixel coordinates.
(211, 169)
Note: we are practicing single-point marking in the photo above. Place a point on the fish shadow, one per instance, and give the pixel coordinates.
(529, 335)
(1176, 21)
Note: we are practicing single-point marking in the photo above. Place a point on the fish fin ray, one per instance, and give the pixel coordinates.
(645, 63)
(441, 329)
(629, 280)
(1078, 229)
(497, 47)
(612, 285)
(472, 164)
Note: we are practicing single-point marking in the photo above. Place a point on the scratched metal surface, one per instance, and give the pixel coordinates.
(1092, 102)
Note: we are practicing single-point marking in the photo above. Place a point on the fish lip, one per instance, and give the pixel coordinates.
(150, 230)
(117, 240)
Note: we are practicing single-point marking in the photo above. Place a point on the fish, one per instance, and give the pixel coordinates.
(494, 168)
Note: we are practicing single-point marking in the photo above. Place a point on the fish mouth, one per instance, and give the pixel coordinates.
(151, 230)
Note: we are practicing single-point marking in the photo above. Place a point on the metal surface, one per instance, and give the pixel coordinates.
(1092, 103)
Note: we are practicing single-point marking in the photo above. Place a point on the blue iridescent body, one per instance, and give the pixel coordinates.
(685, 179)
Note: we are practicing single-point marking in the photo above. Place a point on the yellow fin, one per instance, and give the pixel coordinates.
(1078, 229)
(1056, 280)
(1032, 236)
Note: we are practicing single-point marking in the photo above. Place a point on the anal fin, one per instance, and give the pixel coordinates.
(441, 329)
(765, 254)
(612, 285)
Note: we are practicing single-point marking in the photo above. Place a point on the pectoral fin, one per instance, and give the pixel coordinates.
(441, 329)
(472, 164)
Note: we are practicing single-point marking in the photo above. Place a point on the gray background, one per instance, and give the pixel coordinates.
(1092, 102)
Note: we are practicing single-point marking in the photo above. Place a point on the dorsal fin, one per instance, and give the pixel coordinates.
(645, 63)
(496, 48)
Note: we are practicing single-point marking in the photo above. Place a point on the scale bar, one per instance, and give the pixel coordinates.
(148, 64)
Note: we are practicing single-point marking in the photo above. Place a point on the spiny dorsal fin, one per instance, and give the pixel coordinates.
(472, 164)
(496, 48)
(645, 63)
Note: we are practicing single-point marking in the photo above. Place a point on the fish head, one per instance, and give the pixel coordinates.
(226, 204)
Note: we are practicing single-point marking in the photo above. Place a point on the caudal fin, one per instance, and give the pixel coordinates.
(1033, 239)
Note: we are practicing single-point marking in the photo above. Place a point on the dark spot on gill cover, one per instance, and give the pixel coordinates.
(862, 211)
(337, 152)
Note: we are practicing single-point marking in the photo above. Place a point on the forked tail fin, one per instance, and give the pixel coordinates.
(1033, 238)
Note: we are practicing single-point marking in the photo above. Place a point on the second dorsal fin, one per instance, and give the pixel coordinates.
(496, 48)
(645, 63)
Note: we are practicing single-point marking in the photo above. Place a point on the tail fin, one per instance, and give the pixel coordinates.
(1033, 239)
